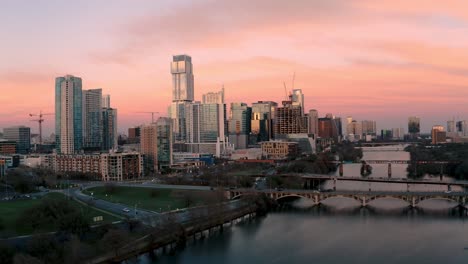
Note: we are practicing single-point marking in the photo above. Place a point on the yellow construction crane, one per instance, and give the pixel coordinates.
(40, 120)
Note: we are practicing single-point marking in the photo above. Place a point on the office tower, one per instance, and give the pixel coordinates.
(386, 134)
(106, 101)
(398, 133)
(313, 122)
(354, 130)
(134, 135)
(92, 124)
(149, 146)
(339, 126)
(297, 98)
(262, 121)
(451, 126)
(438, 135)
(349, 119)
(290, 120)
(109, 129)
(21, 135)
(239, 125)
(68, 114)
(414, 126)
(461, 127)
(182, 95)
(206, 128)
(164, 141)
(369, 127)
(214, 97)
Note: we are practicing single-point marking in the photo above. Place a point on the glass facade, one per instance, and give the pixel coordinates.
(21, 135)
(182, 78)
(92, 124)
(68, 114)
(164, 141)
(109, 128)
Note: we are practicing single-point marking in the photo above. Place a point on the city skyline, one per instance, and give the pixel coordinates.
(343, 64)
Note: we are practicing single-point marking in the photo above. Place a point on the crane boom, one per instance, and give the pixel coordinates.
(150, 112)
(40, 120)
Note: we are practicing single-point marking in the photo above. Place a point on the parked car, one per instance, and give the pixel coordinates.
(126, 210)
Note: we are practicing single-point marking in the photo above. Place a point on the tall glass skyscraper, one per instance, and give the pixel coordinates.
(239, 125)
(182, 78)
(68, 114)
(92, 124)
(182, 95)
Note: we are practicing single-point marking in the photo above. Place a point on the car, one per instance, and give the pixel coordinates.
(126, 210)
(279, 189)
(448, 191)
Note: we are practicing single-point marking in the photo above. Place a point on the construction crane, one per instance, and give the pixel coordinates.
(152, 115)
(39, 119)
(285, 91)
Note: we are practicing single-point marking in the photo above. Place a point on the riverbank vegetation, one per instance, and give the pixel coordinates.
(457, 154)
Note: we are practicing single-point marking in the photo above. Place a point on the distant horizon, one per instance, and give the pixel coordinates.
(381, 61)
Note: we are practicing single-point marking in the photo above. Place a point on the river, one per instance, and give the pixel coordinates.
(339, 231)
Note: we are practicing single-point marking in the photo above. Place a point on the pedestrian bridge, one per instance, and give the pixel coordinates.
(363, 197)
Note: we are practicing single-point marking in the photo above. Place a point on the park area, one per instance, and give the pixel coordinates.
(153, 199)
(24, 217)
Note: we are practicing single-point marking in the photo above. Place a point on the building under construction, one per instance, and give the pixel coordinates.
(290, 119)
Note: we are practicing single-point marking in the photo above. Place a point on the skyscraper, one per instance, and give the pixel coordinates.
(182, 94)
(68, 114)
(21, 135)
(313, 122)
(109, 129)
(414, 126)
(164, 141)
(106, 101)
(369, 127)
(92, 124)
(214, 97)
(262, 121)
(297, 98)
(182, 78)
(239, 125)
(149, 146)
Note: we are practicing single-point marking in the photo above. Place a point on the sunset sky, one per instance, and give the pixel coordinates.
(383, 60)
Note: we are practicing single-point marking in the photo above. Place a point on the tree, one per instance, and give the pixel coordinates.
(26, 259)
(6, 254)
(114, 239)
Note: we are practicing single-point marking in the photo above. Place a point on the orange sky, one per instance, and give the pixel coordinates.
(382, 60)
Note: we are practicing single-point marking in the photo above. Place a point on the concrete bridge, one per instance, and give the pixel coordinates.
(364, 198)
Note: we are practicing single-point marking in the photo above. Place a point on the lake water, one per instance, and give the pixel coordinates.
(339, 231)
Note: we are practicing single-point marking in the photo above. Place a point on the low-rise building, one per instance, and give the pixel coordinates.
(7, 147)
(279, 150)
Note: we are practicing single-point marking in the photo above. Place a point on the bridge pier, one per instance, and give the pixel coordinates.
(389, 170)
(413, 202)
(341, 169)
(316, 200)
(363, 201)
(334, 184)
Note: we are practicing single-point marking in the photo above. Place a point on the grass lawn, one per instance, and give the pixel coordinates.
(158, 200)
(10, 212)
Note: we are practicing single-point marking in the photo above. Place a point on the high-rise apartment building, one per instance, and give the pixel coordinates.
(327, 128)
(313, 122)
(369, 127)
(354, 130)
(164, 141)
(21, 135)
(206, 127)
(438, 135)
(68, 114)
(133, 135)
(239, 125)
(462, 128)
(92, 124)
(106, 101)
(109, 129)
(213, 97)
(149, 146)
